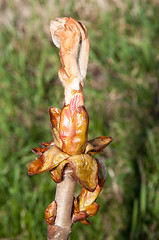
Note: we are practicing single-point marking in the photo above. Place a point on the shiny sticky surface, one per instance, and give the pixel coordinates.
(50, 213)
(73, 130)
(57, 172)
(55, 122)
(85, 169)
(49, 160)
(96, 145)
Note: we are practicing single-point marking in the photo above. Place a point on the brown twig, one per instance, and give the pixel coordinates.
(64, 199)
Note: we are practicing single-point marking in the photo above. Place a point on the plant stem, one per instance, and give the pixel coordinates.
(64, 199)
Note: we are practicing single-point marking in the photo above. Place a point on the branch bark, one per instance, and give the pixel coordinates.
(64, 200)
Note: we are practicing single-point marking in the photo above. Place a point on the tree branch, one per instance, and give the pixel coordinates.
(64, 199)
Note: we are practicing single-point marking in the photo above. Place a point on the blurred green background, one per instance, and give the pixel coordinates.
(122, 98)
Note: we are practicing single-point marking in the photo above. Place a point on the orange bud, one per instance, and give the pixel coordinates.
(50, 213)
(73, 129)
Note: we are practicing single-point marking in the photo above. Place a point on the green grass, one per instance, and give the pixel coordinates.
(121, 96)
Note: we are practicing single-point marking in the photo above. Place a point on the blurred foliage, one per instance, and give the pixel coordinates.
(121, 96)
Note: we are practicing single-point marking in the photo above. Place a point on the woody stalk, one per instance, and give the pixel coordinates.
(69, 158)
